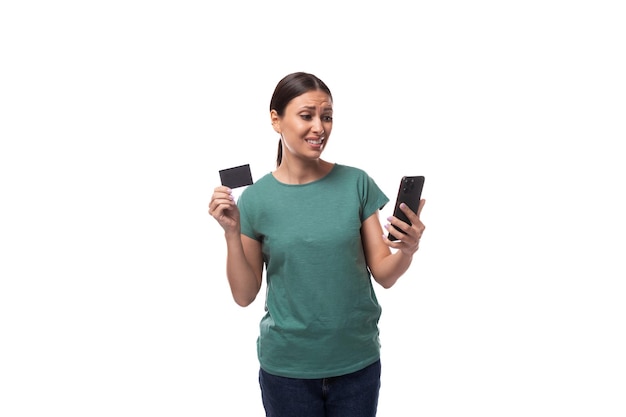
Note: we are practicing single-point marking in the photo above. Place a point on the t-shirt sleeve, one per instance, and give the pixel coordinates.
(373, 197)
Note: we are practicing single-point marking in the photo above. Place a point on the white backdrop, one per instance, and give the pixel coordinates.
(116, 117)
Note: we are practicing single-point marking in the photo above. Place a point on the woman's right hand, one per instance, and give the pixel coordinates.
(224, 209)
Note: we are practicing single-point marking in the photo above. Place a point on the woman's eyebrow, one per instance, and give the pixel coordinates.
(327, 108)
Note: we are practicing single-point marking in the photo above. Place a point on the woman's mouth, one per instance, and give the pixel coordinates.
(315, 141)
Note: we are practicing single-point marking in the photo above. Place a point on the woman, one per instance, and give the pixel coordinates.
(314, 225)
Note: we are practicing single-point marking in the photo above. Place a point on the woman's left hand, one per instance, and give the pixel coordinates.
(409, 242)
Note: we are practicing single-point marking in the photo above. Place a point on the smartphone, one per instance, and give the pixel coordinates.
(409, 193)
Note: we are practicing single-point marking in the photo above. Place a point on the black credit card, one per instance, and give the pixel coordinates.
(237, 176)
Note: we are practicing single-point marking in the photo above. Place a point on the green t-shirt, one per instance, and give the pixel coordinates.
(322, 314)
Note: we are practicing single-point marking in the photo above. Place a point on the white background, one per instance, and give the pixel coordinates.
(116, 116)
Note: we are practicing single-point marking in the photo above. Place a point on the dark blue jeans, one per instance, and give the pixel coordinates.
(351, 395)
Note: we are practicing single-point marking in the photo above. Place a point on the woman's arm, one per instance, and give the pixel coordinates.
(244, 268)
(244, 261)
(387, 267)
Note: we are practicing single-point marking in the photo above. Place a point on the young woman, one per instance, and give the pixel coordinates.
(314, 226)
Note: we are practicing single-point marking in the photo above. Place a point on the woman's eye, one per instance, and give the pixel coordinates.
(327, 118)
(306, 116)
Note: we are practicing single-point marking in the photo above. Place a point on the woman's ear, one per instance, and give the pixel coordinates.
(275, 121)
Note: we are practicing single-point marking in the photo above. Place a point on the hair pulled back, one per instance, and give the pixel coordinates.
(290, 87)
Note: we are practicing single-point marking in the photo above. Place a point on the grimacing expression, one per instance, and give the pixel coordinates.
(306, 124)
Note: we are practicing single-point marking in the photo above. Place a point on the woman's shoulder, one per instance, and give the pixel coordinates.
(350, 170)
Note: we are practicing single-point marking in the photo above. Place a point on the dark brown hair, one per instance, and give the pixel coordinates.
(290, 87)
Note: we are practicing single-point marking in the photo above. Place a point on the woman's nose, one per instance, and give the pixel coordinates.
(317, 125)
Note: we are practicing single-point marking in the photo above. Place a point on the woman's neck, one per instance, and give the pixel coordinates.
(292, 172)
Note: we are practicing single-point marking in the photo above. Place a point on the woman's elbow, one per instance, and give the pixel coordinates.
(387, 285)
(385, 282)
(243, 301)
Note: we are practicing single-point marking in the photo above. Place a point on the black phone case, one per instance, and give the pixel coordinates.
(409, 193)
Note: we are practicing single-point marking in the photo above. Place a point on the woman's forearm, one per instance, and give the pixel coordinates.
(392, 267)
(244, 282)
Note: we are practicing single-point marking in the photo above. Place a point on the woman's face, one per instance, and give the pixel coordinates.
(306, 124)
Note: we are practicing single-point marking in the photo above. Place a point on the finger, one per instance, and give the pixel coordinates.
(226, 201)
(389, 242)
(221, 211)
(419, 226)
(397, 227)
(421, 206)
(222, 192)
(223, 189)
(410, 214)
